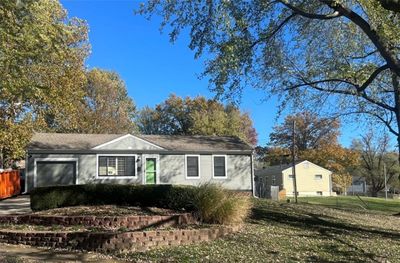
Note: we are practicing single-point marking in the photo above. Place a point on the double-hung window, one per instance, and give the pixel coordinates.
(109, 166)
(219, 166)
(192, 166)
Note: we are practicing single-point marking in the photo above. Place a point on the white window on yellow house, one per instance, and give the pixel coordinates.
(318, 177)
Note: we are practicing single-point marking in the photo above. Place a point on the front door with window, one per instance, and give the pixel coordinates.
(151, 170)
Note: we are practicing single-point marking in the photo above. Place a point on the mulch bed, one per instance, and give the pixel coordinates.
(106, 210)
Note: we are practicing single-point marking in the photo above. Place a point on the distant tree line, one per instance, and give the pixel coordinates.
(196, 116)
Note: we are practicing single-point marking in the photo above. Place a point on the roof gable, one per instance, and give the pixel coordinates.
(310, 163)
(128, 142)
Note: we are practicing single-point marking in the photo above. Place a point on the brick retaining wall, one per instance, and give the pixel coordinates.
(131, 222)
(111, 241)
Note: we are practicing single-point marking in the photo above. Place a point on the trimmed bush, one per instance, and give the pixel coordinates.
(163, 196)
(209, 202)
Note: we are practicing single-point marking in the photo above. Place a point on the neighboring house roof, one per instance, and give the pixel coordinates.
(71, 141)
(272, 170)
(278, 169)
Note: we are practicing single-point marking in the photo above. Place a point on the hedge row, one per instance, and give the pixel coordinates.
(163, 196)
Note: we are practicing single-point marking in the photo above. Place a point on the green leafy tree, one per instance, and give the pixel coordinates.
(197, 116)
(107, 108)
(342, 56)
(42, 54)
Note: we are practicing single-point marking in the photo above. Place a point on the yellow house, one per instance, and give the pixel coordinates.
(312, 180)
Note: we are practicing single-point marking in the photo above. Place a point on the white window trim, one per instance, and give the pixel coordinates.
(226, 166)
(191, 177)
(150, 156)
(115, 177)
(290, 176)
(55, 159)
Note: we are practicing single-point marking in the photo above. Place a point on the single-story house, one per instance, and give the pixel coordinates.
(64, 159)
(312, 180)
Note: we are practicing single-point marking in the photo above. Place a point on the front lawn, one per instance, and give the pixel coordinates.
(281, 232)
(380, 205)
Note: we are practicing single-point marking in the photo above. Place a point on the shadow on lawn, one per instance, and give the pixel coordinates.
(327, 227)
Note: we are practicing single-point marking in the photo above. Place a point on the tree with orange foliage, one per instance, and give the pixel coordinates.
(316, 140)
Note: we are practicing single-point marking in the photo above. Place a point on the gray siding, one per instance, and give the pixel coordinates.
(238, 171)
(130, 143)
(171, 170)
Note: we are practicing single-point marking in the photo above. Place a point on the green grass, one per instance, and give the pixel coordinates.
(282, 232)
(380, 205)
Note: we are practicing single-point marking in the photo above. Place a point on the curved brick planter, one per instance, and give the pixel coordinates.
(107, 241)
(131, 222)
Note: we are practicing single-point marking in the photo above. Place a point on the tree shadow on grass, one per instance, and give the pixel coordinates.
(327, 227)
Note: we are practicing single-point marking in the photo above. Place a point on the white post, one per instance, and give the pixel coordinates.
(384, 173)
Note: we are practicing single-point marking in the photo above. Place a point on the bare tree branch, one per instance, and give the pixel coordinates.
(379, 43)
(365, 55)
(362, 94)
(372, 77)
(279, 27)
(310, 15)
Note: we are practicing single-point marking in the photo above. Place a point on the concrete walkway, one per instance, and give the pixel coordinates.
(15, 205)
(20, 253)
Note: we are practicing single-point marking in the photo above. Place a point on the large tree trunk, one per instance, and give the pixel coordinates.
(396, 88)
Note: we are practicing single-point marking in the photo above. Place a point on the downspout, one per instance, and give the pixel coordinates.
(26, 173)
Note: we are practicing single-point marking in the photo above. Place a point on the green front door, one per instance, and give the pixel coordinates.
(151, 170)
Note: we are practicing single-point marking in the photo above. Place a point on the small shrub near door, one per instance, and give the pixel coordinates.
(209, 202)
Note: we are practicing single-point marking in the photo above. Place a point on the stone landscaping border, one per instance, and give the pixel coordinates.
(116, 241)
(130, 222)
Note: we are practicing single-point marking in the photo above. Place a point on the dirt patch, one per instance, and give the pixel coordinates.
(27, 254)
(52, 228)
(106, 210)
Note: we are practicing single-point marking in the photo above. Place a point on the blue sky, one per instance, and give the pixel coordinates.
(151, 66)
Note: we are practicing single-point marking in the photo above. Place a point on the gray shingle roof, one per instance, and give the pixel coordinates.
(63, 141)
(272, 170)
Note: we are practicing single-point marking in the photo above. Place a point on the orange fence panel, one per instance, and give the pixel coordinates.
(9, 184)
